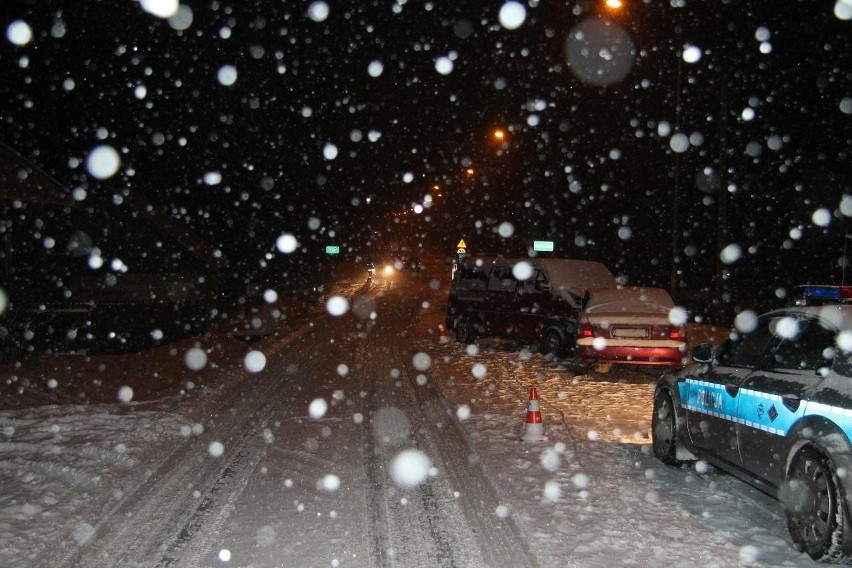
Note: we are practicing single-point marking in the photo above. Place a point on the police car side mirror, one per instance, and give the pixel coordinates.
(703, 353)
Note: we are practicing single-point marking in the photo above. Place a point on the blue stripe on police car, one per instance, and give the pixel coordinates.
(756, 409)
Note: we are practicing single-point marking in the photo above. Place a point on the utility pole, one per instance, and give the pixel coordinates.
(721, 312)
(674, 279)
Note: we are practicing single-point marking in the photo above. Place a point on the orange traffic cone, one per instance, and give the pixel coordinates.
(534, 428)
(442, 334)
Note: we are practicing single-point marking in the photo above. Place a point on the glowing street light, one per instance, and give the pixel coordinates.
(614, 5)
(499, 135)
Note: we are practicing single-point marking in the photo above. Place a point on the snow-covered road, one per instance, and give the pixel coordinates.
(357, 441)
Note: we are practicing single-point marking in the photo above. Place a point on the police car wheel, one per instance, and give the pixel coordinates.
(664, 429)
(817, 516)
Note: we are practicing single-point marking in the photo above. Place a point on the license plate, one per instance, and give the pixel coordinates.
(632, 332)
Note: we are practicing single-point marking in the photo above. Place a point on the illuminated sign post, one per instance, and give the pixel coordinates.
(543, 246)
(332, 249)
(461, 250)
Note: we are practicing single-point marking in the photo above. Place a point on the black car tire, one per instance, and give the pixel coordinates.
(552, 344)
(465, 332)
(664, 431)
(817, 516)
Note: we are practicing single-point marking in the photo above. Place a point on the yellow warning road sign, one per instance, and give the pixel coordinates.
(461, 245)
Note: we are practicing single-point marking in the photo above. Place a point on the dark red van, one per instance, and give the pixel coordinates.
(535, 300)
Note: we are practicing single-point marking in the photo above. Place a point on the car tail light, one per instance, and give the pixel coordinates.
(677, 333)
(586, 330)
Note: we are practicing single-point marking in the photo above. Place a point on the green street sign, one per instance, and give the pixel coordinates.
(543, 246)
(332, 249)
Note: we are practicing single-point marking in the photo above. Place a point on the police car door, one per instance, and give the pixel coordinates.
(712, 397)
(772, 400)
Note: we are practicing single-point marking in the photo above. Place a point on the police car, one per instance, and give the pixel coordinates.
(773, 406)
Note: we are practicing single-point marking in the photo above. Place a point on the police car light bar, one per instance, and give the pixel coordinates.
(812, 292)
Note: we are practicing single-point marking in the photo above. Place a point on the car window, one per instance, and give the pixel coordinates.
(747, 349)
(536, 283)
(471, 279)
(501, 279)
(811, 348)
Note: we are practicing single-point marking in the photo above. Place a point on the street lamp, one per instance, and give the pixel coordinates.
(501, 141)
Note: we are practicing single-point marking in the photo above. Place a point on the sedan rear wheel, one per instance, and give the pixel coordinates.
(817, 516)
(664, 429)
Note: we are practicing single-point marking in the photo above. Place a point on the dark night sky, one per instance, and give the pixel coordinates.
(585, 165)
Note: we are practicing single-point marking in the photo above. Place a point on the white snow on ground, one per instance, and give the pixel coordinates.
(590, 495)
(53, 459)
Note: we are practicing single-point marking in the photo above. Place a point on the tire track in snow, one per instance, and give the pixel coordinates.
(163, 495)
(499, 540)
(405, 524)
(201, 532)
(197, 536)
(458, 505)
